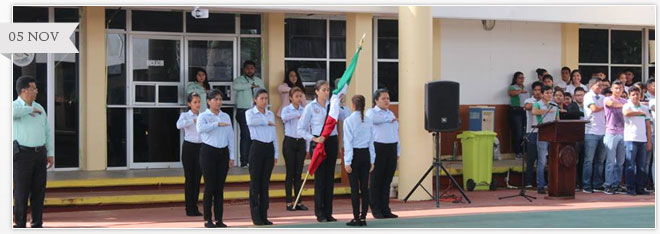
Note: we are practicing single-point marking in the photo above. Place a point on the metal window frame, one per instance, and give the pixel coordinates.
(644, 65)
(327, 59)
(50, 87)
(376, 60)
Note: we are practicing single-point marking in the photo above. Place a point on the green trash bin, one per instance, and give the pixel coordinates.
(477, 159)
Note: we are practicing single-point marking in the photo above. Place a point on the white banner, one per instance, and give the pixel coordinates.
(37, 38)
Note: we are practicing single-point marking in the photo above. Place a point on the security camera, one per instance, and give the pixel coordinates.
(200, 13)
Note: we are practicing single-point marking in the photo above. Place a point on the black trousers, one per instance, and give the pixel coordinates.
(245, 135)
(324, 178)
(29, 183)
(261, 166)
(359, 180)
(192, 172)
(215, 164)
(381, 178)
(294, 157)
(517, 120)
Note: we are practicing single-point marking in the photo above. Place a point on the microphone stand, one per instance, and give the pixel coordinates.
(524, 145)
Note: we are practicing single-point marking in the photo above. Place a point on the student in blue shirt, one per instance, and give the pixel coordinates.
(310, 127)
(262, 157)
(293, 147)
(216, 156)
(33, 153)
(359, 157)
(190, 153)
(387, 147)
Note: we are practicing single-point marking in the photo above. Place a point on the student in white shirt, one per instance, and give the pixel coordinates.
(636, 137)
(594, 133)
(262, 157)
(531, 133)
(216, 156)
(293, 147)
(359, 157)
(576, 81)
(565, 78)
(190, 153)
(387, 147)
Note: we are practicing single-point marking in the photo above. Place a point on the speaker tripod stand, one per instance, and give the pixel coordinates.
(437, 165)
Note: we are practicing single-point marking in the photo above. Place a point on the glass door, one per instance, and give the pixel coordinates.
(156, 100)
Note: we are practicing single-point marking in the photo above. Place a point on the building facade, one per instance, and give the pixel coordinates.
(114, 105)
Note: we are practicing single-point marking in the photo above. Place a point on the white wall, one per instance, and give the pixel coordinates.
(483, 62)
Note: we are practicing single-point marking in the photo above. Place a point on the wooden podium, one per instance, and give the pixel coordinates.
(562, 155)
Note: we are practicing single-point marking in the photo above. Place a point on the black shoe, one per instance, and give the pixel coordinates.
(363, 222)
(209, 224)
(390, 216)
(331, 219)
(267, 222)
(631, 193)
(599, 189)
(37, 226)
(290, 208)
(541, 191)
(220, 224)
(300, 206)
(322, 219)
(19, 226)
(642, 192)
(194, 213)
(609, 191)
(258, 222)
(353, 222)
(378, 216)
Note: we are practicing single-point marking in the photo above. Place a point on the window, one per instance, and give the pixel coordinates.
(157, 21)
(614, 50)
(317, 48)
(386, 65)
(216, 23)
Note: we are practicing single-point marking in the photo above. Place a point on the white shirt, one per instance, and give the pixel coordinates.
(257, 122)
(385, 131)
(596, 125)
(531, 120)
(358, 134)
(561, 83)
(214, 135)
(186, 123)
(634, 127)
(313, 118)
(571, 88)
(290, 116)
(652, 107)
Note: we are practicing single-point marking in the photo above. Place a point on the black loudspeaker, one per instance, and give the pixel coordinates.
(441, 105)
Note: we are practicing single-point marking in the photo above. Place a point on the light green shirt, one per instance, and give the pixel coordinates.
(197, 88)
(244, 92)
(31, 130)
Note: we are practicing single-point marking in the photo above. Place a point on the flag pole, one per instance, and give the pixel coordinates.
(301, 189)
(326, 117)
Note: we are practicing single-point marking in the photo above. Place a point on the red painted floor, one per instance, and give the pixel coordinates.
(237, 214)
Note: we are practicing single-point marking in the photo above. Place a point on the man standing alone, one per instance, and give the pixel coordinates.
(33, 153)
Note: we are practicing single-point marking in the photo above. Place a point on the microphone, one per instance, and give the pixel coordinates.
(553, 104)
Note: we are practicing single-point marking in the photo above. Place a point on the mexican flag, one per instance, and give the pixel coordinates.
(331, 120)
